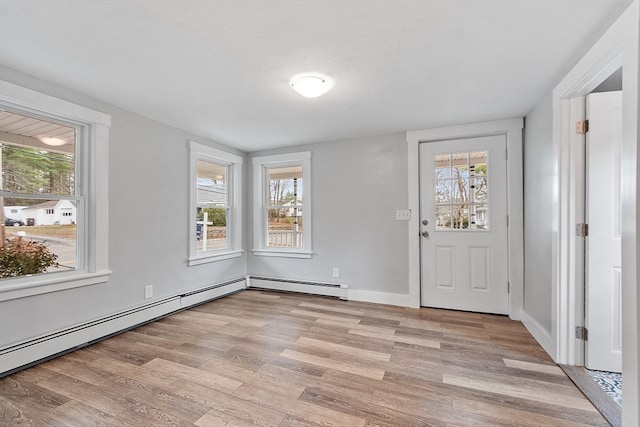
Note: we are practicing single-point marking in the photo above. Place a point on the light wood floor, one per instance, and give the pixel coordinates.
(276, 359)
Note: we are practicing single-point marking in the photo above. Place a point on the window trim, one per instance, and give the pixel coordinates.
(93, 186)
(259, 204)
(198, 151)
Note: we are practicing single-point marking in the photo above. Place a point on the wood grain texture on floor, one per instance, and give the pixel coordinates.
(280, 359)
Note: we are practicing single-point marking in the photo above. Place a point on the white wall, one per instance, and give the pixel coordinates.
(357, 186)
(538, 213)
(148, 226)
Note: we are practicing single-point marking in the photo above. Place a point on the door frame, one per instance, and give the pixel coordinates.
(512, 130)
(619, 46)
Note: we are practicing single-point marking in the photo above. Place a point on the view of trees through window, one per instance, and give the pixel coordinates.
(461, 188)
(284, 210)
(37, 196)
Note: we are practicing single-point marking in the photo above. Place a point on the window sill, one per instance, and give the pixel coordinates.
(282, 253)
(52, 282)
(213, 257)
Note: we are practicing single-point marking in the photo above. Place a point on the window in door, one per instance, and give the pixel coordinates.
(461, 191)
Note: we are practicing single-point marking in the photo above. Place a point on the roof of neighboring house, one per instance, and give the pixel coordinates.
(46, 205)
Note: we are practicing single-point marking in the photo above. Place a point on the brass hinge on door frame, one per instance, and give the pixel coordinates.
(582, 333)
(582, 230)
(582, 127)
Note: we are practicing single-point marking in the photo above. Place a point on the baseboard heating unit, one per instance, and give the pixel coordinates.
(27, 353)
(317, 288)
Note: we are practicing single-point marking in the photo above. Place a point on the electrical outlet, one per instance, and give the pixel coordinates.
(148, 291)
(403, 215)
(336, 272)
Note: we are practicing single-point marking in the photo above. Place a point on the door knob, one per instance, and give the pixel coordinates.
(425, 222)
(425, 234)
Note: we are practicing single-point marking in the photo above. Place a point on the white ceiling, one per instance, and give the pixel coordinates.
(220, 68)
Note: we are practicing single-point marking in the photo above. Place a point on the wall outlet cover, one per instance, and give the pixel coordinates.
(403, 215)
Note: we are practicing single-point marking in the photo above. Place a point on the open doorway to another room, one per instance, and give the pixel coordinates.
(601, 332)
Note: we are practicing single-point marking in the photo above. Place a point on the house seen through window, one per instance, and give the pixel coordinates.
(38, 197)
(212, 206)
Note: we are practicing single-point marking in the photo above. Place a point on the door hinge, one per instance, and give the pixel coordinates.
(506, 153)
(582, 127)
(508, 287)
(582, 333)
(507, 220)
(582, 230)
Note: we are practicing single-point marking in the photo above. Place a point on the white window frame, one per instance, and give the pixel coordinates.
(260, 165)
(92, 189)
(234, 199)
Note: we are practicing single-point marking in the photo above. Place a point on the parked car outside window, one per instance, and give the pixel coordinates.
(14, 222)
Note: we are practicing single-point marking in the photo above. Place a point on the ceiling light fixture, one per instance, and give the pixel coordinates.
(52, 140)
(311, 85)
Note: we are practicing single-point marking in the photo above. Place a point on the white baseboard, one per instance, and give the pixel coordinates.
(302, 286)
(540, 334)
(28, 352)
(402, 300)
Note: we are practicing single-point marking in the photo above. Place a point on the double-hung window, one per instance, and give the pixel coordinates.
(215, 228)
(282, 205)
(53, 194)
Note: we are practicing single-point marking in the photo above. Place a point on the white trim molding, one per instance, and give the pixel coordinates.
(512, 129)
(260, 164)
(618, 47)
(234, 188)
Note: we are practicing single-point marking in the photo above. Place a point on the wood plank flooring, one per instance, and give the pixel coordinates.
(278, 359)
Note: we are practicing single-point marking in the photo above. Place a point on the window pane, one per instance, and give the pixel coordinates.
(285, 186)
(40, 237)
(443, 191)
(459, 217)
(212, 209)
(443, 166)
(284, 229)
(37, 155)
(480, 190)
(460, 190)
(443, 217)
(481, 217)
(460, 165)
(211, 231)
(478, 161)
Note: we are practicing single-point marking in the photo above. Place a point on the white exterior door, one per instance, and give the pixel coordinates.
(463, 214)
(603, 317)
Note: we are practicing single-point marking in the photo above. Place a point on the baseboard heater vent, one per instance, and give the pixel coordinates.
(317, 288)
(212, 292)
(19, 356)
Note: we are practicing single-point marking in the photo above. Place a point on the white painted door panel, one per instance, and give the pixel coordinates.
(603, 315)
(463, 199)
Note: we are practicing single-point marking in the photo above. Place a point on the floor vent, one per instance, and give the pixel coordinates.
(302, 286)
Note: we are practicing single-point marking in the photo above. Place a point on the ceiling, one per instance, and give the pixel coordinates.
(220, 68)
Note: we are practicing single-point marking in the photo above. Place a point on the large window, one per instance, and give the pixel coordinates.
(53, 204)
(215, 228)
(38, 191)
(282, 214)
